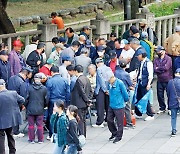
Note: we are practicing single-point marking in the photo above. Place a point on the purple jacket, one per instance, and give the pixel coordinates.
(163, 68)
(16, 62)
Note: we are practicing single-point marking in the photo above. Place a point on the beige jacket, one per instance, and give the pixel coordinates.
(172, 44)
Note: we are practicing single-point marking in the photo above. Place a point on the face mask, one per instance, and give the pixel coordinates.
(43, 51)
(159, 55)
(142, 27)
(100, 54)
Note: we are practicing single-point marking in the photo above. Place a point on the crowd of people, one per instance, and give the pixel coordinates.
(110, 76)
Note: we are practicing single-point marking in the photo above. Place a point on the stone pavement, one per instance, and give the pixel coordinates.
(148, 137)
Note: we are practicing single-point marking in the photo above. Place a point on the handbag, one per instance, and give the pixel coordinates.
(178, 98)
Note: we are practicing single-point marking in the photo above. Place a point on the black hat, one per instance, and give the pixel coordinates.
(3, 52)
(41, 45)
(100, 48)
(122, 63)
(27, 69)
(112, 54)
(134, 31)
(54, 69)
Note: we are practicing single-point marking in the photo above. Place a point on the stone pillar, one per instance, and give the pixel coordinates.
(102, 27)
(134, 8)
(48, 32)
(146, 14)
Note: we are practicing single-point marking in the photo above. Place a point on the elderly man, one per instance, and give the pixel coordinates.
(5, 68)
(10, 116)
(163, 69)
(71, 36)
(55, 55)
(172, 45)
(86, 32)
(101, 91)
(15, 58)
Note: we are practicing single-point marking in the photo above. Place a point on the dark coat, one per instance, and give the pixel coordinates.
(9, 110)
(32, 60)
(36, 99)
(82, 92)
(5, 71)
(172, 98)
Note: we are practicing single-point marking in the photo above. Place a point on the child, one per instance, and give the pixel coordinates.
(59, 123)
(72, 132)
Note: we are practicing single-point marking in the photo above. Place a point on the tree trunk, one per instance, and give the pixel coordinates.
(134, 8)
(6, 25)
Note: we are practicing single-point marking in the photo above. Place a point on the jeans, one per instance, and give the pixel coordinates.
(10, 139)
(50, 111)
(174, 118)
(57, 149)
(161, 88)
(72, 149)
(38, 120)
(119, 115)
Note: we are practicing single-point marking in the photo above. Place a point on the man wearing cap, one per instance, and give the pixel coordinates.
(144, 28)
(35, 59)
(71, 36)
(5, 67)
(172, 45)
(66, 61)
(58, 88)
(70, 51)
(110, 44)
(10, 116)
(62, 40)
(144, 79)
(55, 55)
(127, 52)
(15, 58)
(83, 60)
(128, 33)
(18, 84)
(36, 101)
(163, 69)
(46, 68)
(135, 63)
(173, 93)
(101, 91)
(86, 32)
(113, 60)
(101, 54)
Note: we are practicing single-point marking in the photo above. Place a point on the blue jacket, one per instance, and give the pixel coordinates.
(118, 95)
(171, 93)
(58, 88)
(177, 63)
(101, 79)
(124, 76)
(5, 71)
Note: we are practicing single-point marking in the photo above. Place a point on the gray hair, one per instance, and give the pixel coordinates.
(135, 41)
(84, 50)
(93, 66)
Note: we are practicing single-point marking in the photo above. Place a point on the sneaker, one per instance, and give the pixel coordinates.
(161, 111)
(148, 118)
(116, 140)
(111, 138)
(173, 134)
(32, 142)
(40, 142)
(98, 126)
(138, 117)
(48, 138)
(129, 127)
(20, 135)
(169, 112)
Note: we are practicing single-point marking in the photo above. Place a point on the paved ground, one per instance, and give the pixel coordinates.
(147, 138)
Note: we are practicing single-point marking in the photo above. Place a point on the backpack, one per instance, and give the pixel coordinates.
(152, 49)
(155, 38)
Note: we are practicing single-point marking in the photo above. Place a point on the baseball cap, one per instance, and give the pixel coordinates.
(100, 48)
(99, 60)
(27, 69)
(17, 43)
(62, 40)
(123, 43)
(113, 35)
(159, 48)
(66, 58)
(50, 61)
(143, 21)
(2, 82)
(88, 44)
(112, 54)
(86, 27)
(122, 63)
(134, 31)
(178, 70)
(40, 45)
(59, 45)
(177, 28)
(144, 35)
(3, 52)
(140, 52)
(39, 75)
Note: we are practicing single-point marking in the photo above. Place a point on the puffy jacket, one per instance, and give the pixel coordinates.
(36, 99)
(172, 97)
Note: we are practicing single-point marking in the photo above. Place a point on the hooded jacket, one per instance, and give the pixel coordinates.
(36, 99)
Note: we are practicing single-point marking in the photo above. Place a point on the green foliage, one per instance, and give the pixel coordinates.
(164, 8)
